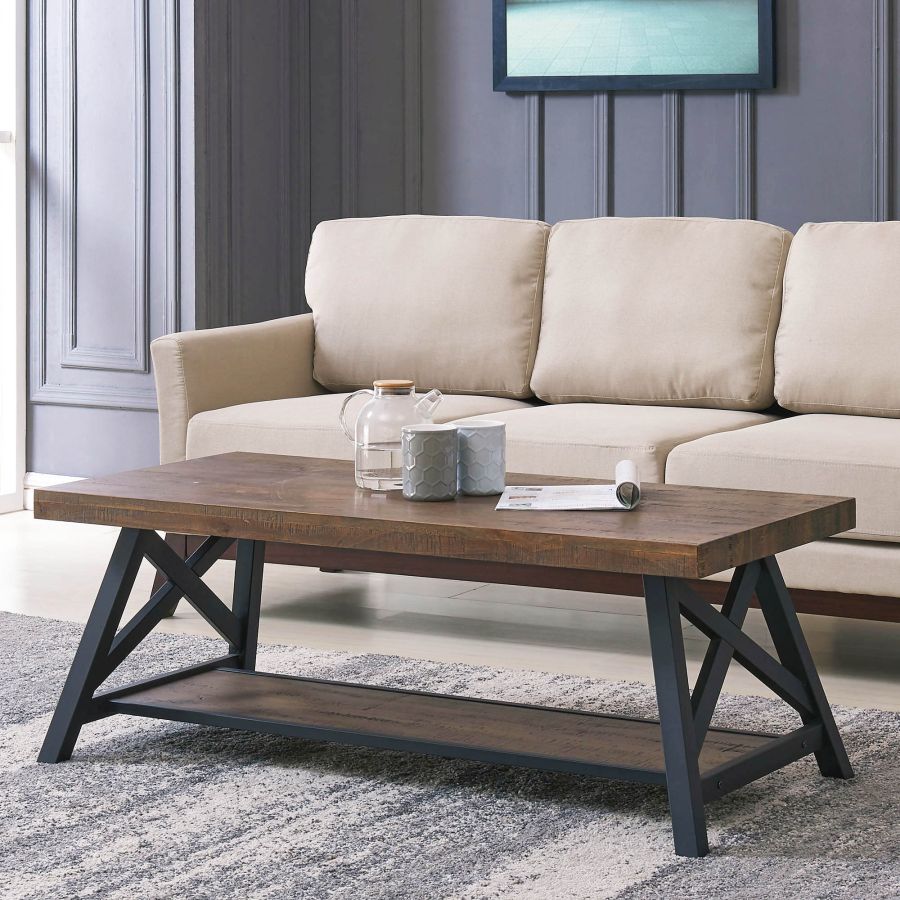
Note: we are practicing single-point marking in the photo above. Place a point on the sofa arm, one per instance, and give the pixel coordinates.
(197, 371)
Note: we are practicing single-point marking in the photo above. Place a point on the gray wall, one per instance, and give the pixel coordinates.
(818, 147)
(109, 157)
(400, 117)
(313, 109)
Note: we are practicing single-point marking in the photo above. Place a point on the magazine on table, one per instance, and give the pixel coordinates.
(624, 494)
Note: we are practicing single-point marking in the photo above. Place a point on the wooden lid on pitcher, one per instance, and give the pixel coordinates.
(394, 384)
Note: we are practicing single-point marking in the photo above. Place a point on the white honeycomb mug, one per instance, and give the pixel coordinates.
(482, 457)
(430, 459)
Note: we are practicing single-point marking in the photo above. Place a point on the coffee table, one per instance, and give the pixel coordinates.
(677, 534)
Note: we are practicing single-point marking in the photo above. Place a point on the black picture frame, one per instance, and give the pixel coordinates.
(762, 80)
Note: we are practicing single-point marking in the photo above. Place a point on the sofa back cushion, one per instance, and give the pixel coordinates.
(451, 302)
(838, 344)
(677, 312)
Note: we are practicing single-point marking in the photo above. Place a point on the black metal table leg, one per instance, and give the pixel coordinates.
(248, 576)
(102, 649)
(673, 695)
(793, 651)
(718, 657)
(88, 669)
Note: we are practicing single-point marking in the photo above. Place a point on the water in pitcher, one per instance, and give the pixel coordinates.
(378, 466)
(377, 429)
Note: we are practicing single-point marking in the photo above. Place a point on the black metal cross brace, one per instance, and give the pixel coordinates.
(685, 716)
(103, 649)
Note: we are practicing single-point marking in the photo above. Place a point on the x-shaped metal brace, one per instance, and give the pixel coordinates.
(685, 715)
(103, 648)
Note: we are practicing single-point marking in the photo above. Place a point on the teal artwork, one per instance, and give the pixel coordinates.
(605, 44)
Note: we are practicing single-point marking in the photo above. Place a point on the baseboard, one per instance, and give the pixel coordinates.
(38, 480)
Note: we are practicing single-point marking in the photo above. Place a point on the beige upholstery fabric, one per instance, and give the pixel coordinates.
(585, 439)
(202, 370)
(661, 311)
(306, 426)
(451, 302)
(844, 456)
(851, 567)
(839, 337)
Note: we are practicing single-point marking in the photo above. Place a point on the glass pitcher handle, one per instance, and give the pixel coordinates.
(429, 403)
(352, 437)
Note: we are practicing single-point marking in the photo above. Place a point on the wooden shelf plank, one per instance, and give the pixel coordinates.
(408, 720)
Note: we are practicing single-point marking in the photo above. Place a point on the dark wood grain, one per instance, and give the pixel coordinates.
(679, 531)
(454, 721)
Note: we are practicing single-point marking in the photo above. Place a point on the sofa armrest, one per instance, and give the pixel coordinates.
(197, 371)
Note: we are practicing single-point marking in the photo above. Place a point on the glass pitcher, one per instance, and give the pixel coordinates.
(376, 433)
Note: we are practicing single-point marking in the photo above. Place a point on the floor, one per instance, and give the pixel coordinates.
(52, 569)
(631, 37)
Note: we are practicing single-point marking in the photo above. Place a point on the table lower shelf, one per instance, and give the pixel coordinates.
(491, 731)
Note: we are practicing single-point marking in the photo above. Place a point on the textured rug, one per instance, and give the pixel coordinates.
(164, 810)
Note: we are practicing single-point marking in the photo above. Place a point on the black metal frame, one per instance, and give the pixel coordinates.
(763, 79)
(102, 649)
(684, 715)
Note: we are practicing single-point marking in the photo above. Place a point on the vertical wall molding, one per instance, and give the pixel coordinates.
(213, 138)
(57, 272)
(602, 156)
(68, 181)
(75, 355)
(172, 308)
(882, 98)
(287, 133)
(673, 144)
(233, 164)
(295, 224)
(534, 155)
(349, 108)
(37, 201)
(296, 199)
(412, 106)
(745, 154)
(302, 126)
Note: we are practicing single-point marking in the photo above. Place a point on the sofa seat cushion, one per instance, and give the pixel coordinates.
(453, 302)
(841, 456)
(587, 439)
(847, 567)
(304, 426)
(836, 348)
(678, 312)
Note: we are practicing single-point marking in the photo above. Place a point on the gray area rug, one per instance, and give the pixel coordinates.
(164, 810)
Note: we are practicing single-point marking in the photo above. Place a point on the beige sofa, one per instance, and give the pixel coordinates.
(713, 352)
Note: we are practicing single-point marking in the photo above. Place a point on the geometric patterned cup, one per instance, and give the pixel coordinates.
(482, 457)
(429, 460)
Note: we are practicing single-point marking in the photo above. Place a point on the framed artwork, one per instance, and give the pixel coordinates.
(610, 45)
